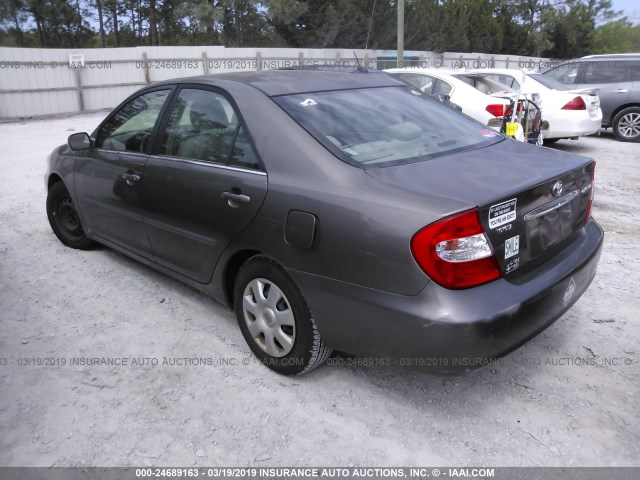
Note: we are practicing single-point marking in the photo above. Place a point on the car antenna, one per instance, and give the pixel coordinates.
(360, 68)
(366, 43)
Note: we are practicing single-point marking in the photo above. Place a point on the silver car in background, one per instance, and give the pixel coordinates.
(617, 81)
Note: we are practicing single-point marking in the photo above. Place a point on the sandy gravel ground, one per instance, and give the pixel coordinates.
(569, 397)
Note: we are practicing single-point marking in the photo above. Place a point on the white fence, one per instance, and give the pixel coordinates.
(50, 81)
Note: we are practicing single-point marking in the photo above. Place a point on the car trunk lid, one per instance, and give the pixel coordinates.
(531, 201)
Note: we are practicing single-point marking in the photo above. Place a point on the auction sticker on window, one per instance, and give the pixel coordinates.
(502, 213)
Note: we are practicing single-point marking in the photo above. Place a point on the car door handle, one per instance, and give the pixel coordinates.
(131, 178)
(235, 199)
(622, 90)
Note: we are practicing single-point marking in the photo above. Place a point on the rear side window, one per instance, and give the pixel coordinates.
(613, 71)
(377, 127)
(203, 126)
(635, 70)
(442, 88)
(424, 83)
(507, 80)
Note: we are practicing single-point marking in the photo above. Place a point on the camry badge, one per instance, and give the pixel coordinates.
(556, 190)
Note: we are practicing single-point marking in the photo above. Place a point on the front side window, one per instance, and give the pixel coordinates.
(565, 73)
(377, 127)
(131, 126)
(203, 126)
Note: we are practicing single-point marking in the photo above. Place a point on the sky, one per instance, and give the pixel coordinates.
(631, 9)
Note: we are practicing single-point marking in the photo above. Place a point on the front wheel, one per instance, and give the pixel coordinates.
(626, 125)
(64, 218)
(275, 319)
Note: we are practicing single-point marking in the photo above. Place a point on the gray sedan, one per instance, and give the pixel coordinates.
(335, 210)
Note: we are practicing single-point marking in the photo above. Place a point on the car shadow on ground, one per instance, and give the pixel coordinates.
(578, 147)
(515, 370)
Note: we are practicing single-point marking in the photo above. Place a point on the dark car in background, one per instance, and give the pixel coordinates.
(617, 81)
(335, 211)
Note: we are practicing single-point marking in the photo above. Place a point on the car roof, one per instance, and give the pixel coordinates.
(285, 82)
(620, 56)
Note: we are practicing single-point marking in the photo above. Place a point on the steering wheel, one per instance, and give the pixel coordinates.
(139, 142)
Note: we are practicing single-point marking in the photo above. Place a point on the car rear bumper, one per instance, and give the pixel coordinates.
(450, 329)
(574, 123)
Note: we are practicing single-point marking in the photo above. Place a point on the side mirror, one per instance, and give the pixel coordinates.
(79, 141)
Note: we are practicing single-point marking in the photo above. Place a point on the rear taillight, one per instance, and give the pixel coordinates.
(497, 110)
(455, 252)
(500, 110)
(587, 215)
(575, 104)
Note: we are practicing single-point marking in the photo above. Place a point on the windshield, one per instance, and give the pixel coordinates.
(376, 127)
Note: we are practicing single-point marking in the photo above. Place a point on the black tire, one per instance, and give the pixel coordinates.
(626, 124)
(278, 327)
(549, 141)
(64, 218)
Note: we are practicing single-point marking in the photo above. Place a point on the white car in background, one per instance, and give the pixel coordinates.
(483, 105)
(570, 113)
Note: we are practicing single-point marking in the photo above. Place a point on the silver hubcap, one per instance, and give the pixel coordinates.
(629, 125)
(269, 317)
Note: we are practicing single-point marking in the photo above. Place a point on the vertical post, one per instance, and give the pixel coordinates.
(76, 74)
(258, 62)
(145, 66)
(400, 58)
(205, 63)
(301, 59)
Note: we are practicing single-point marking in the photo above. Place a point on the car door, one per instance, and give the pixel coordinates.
(109, 176)
(204, 181)
(612, 80)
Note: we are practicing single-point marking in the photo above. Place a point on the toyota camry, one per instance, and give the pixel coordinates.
(335, 211)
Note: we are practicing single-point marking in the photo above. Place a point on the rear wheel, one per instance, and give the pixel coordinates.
(626, 125)
(275, 319)
(549, 141)
(64, 218)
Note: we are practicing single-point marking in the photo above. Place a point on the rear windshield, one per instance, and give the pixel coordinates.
(549, 82)
(378, 127)
(484, 84)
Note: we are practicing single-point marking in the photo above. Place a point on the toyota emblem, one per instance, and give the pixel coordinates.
(556, 190)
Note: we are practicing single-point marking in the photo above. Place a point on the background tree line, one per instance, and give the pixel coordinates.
(548, 28)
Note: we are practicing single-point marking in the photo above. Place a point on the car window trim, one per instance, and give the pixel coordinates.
(204, 163)
(155, 146)
(154, 131)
